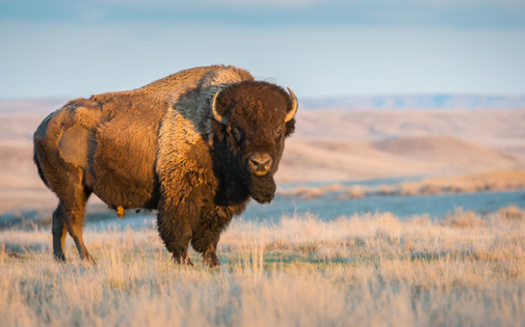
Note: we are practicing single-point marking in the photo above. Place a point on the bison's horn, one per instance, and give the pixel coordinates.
(292, 112)
(220, 119)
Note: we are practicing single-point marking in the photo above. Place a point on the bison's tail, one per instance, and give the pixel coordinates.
(37, 144)
(39, 168)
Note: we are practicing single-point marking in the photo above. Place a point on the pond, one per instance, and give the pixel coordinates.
(435, 206)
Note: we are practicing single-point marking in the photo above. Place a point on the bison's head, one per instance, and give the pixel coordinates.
(252, 119)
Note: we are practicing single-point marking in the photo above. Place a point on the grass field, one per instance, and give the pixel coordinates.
(371, 270)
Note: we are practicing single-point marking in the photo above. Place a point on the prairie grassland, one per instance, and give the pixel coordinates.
(371, 270)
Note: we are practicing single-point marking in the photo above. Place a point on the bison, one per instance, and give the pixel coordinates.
(195, 146)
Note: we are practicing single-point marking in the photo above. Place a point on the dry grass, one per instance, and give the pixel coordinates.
(369, 270)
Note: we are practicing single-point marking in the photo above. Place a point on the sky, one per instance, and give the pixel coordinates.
(318, 48)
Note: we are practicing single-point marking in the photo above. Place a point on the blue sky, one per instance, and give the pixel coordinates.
(72, 48)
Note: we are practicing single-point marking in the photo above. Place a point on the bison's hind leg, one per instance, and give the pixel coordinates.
(59, 231)
(74, 214)
(60, 152)
(69, 216)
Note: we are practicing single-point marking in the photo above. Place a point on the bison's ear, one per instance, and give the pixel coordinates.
(290, 120)
(290, 127)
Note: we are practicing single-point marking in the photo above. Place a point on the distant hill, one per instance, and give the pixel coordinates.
(432, 101)
(31, 105)
(340, 159)
(328, 145)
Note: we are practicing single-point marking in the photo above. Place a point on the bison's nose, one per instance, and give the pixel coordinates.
(260, 163)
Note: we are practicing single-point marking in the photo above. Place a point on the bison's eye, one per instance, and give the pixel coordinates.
(237, 134)
(278, 133)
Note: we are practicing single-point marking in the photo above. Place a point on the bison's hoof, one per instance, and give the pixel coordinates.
(88, 260)
(211, 260)
(59, 257)
(183, 261)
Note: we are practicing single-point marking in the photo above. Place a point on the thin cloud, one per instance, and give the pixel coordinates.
(272, 2)
(195, 3)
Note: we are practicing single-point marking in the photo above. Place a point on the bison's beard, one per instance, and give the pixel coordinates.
(262, 188)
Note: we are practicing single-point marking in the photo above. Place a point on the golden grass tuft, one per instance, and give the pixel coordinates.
(512, 212)
(464, 219)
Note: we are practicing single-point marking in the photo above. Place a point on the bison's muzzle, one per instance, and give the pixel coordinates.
(260, 164)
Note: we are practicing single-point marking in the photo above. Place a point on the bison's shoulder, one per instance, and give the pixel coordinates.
(183, 157)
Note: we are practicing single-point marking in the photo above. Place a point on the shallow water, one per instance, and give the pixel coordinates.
(436, 206)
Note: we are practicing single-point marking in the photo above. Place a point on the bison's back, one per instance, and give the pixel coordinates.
(171, 88)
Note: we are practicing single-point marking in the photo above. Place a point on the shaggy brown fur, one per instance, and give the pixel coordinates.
(158, 147)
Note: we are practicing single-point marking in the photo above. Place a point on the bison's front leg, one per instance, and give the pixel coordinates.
(205, 241)
(176, 233)
(206, 236)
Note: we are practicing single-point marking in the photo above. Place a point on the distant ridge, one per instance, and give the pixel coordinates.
(431, 101)
(31, 105)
